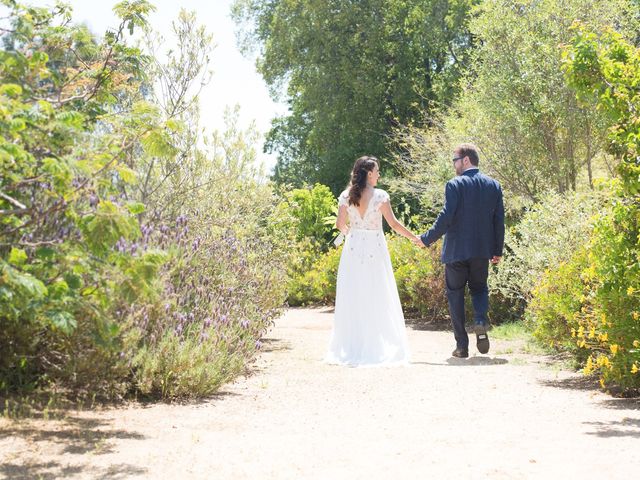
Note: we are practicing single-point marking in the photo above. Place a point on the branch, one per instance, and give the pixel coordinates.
(13, 201)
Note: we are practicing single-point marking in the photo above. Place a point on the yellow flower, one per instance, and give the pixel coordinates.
(630, 291)
(581, 331)
(602, 382)
(573, 332)
(592, 332)
(634, 368)
(636, 343)
(635, 315)
(614, 348)
(603, 337)
(589, 367)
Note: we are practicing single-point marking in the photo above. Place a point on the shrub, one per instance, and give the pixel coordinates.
(604, 67)
(546, 235)
(134, 261)
(420, 278)
(557, 300)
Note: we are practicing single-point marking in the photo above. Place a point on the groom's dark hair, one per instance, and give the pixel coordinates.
(469, 150)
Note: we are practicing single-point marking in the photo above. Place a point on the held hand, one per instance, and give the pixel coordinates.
(496, 260)
(417, 241)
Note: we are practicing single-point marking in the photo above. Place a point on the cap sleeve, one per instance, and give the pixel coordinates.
(343, 199)
(383, 197)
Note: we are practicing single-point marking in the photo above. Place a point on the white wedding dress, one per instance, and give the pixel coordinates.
(369, 324)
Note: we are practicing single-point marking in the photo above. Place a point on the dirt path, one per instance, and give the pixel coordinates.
(505, 415)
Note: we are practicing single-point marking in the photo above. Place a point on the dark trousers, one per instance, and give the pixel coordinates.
(474, 272)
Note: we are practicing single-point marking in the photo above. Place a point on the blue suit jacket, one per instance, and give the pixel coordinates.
(472, 218)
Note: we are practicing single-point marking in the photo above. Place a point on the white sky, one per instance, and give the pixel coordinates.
(234, 81)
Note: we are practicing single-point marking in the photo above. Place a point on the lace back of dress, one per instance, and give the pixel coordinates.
(372, 218)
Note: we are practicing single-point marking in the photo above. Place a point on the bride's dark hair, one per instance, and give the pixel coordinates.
(358, 183)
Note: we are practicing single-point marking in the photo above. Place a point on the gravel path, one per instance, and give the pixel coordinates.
(506, 415)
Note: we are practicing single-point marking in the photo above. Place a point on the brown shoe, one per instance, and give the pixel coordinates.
(460, 353)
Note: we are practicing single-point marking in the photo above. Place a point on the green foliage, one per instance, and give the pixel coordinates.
(58, 160)
(606, 322)
(420, 278)
(545, 236)
(553, 312)
(353, 71)
(313, 276)
(517, 105)
(314, 210)
(132, 259)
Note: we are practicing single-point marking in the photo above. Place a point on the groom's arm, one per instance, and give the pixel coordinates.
(498, 225)
(442, 223)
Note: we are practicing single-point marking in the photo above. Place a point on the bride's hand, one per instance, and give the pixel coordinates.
(417, 241)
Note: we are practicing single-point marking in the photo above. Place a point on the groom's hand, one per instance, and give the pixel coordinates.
(417, 241)
(496, 260)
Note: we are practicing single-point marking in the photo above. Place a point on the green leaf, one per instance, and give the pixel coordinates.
(11, 90)
(136, 208)
(62, 320)
(17, 125)
(45, 253)
(22, 283)
(126, 174)
(17, 257)
(73, 281)
(103, 229)
(59, 170)
(58, 289)
(71, 119)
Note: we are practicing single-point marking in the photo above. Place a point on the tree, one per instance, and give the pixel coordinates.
(517, 104)
(353, 70)
(64, 144)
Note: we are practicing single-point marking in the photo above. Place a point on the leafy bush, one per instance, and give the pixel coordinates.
(61, 213)
(546, 235)
(317, 284)
(134, 261)
(420, 278)
(605, 66)
(557, 300)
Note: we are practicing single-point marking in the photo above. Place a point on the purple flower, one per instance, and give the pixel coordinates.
(258, 344)
(121, 245)
(244, 323)
(94, 200)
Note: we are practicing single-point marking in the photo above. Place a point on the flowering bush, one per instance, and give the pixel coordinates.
(606, 323)
(131, 259)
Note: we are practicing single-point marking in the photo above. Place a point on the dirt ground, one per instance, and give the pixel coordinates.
(506, 415)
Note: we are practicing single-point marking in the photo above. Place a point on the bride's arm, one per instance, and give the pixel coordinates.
(341, 220)
(393, 222)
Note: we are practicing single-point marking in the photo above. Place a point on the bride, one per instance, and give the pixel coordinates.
(368, 322)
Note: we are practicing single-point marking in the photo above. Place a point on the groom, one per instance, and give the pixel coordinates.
(472, 221)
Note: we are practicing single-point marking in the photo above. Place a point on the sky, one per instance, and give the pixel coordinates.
(234, 80)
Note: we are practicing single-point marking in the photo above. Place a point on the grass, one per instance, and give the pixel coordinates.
(517, 332)
(511, 331)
